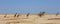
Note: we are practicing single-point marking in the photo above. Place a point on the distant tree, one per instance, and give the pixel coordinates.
(15, 15)
(18, 15)
(5, 15)
(57, 13)
(41, 14)
(27, 15)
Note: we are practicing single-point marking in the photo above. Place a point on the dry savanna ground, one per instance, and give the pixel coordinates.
(31, 19)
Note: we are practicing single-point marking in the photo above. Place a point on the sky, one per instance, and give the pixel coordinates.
(29, 6)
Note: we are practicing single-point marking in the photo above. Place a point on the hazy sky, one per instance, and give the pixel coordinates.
(29, 6)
